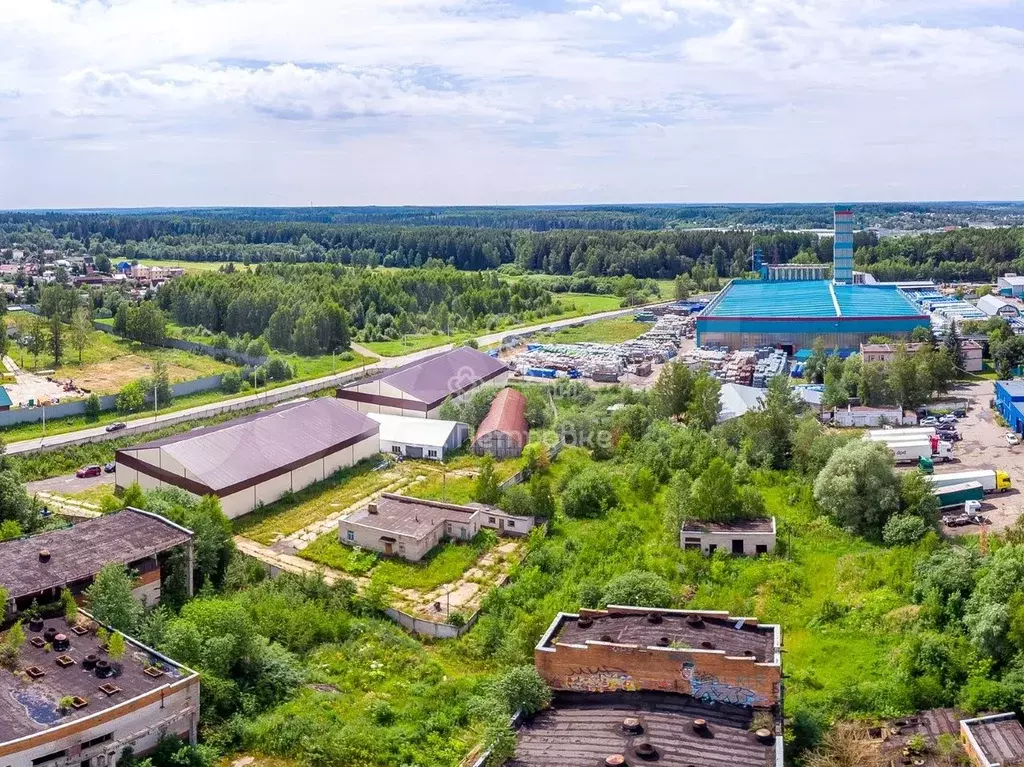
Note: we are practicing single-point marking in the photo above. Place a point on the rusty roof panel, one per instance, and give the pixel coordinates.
(507, 415)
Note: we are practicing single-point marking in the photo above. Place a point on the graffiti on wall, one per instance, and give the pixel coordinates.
(710, 690)
(599, 679)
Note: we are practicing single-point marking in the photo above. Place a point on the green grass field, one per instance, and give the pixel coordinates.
(415, 343)
(316, 502)
(613, 331)
(188, 266)
(108, 362)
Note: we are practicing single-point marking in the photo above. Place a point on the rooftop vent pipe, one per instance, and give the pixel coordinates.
(615, 760)
(44, 555)
(632, 725)
(372, 508)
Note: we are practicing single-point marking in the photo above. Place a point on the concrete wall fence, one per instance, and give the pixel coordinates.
(107, 402)
(430, 628)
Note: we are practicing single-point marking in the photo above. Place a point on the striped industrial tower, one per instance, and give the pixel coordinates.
(842, 249)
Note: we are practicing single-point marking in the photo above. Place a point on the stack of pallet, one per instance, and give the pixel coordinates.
(740, 368)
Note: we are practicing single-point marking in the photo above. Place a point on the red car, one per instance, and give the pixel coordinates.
(89, 471)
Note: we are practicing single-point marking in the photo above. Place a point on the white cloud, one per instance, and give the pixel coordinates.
(226, 101)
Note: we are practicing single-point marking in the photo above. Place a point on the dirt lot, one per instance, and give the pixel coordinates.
(110, 377)
(984, 447)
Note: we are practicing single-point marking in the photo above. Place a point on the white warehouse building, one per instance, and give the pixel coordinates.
(254, 460)
(419, 388)
(419, 437)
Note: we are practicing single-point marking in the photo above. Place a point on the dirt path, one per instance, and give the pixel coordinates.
(291, 564)
(467, 593)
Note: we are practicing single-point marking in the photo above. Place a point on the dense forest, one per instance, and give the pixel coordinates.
(957, 254)
(309, 308)
(890, 215)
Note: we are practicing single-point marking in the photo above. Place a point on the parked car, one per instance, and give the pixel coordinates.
(89, 471)
(960, 413)
(116, 426)
(949, 435)
(947, 418)
(1012, 439)
(109, 467)
(930, 421)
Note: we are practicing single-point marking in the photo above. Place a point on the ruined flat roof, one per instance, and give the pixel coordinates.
(930, 725)
(680, 629)
(80, 551)
(29, 706)
(735, 526)
(401, 515)
(1000, 739)
(583, 729)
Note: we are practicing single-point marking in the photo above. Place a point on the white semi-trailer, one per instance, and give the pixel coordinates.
(990, 480)
(900, 435)
(905, 452)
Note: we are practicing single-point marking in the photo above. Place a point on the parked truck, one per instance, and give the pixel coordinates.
(933, 449)
(900, 435)
(991, 480)
(956, 495)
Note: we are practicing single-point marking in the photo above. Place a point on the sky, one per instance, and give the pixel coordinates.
(137, 103)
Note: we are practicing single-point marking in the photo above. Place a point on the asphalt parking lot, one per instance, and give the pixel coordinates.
(984, 447)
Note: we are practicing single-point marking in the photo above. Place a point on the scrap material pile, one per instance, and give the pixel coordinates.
(606, 362)
(746, 367)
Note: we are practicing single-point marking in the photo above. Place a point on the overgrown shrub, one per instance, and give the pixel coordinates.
(638, 588)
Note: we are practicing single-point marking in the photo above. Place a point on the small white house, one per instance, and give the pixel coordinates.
(743, 537)
(866, 417)
(419, 437)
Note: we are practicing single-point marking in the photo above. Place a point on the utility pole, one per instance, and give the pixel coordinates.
(156, 405)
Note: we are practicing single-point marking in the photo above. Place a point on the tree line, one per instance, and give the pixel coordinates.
(315, 308)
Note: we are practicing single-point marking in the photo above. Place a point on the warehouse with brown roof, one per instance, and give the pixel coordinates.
(419, 388)
(251, 461)
(504, 431)
(40, 566)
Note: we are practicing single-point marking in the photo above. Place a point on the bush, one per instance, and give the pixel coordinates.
(231, 382)
(92, 407)
(638, 588)
(517, 500)
(131, 398)
(522, 689)
(904, 530)
(277, 369)
(588, 494)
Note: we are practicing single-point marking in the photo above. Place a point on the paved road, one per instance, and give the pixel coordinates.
(68, 483)
(282, 393)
